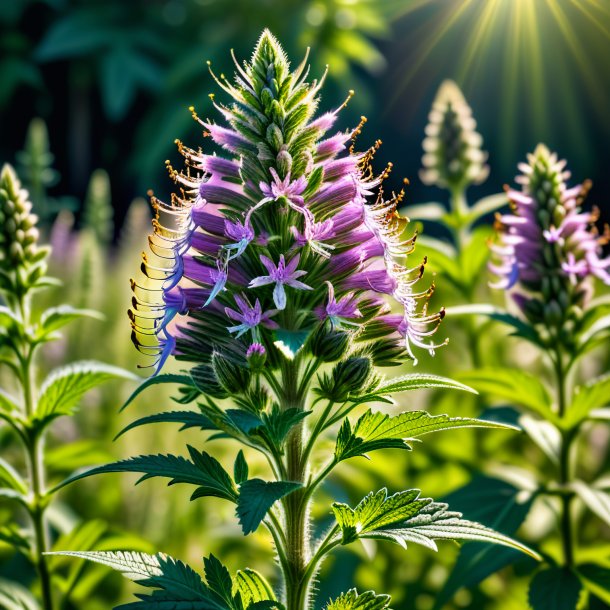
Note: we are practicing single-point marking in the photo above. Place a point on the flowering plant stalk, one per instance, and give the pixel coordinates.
(29, 409)
(280, 276)
(454, 160)
(549, 255)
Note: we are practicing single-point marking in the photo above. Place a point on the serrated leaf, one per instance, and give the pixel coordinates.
(352, 600)
(378, 430)
(156, 380)
(405, 517)
(376, 510)
(554, 589)
(256, 497)
(517, 386)
(11, 479)
(177, 581)
(188, 419)
(240, 469)
(63, 389)
(596, 500)
(278, 423)
(252, 587)
(55, 318)
(218, 578)
(406, 383)
(204, 471)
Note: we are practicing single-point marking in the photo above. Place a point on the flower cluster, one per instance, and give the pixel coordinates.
(22, 260)
(548, 244)
(453, 157)
(287, 236)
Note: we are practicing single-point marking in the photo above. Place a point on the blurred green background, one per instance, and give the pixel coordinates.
(112, 81)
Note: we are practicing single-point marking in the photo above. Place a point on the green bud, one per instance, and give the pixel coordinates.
(329, 345)
(233, 377)
(349, 377)
(283, 162)
(274, 136)
(206, 381)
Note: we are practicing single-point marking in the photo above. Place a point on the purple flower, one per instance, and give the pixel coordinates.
(249, 317)
(281, 275)
(241, 233)
(314, 235)
(338, 311)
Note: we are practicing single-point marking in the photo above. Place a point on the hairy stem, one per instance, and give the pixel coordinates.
(295, 510)
(34, 454)
(567, 533)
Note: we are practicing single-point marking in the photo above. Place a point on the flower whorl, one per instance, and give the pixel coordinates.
(277, 241)
(548, 244)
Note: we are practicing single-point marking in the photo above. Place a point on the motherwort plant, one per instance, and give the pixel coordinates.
(27, 407)
(281, 278)
(548, 254)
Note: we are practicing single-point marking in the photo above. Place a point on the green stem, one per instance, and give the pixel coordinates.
(296, 511)
(34, 453)
(567, 533)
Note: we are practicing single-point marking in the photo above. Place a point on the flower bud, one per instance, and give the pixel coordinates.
(256, 356)
(329, 345)
(233, 377)
(349, 377)
(206, 381)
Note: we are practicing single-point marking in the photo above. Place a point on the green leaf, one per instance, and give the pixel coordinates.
(218, 579)
(16, 538)
(290, 342)
(204, 471)
(256, 497)
(240, 469)
(7, 402)
(278, 423)
(15, 597)
(186, 380)
(596, 579)
(75, 35)
(501, 506)
(554, 589)
(405, 517)
(593, 395)
(188, 419)
(474, 255)
(417, 382)
(11, 479)
(485, 206)
(63, 389)
(118, 86)
(425, 211)
(545, 434)
(253, 587)
(517, 386)
(177, 581)
(378, 430)
(377, 510)
(596, 500)
(352, 600)
(57, 317)
(521, 328)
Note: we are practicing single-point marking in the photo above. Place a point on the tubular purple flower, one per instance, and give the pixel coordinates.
(547, 245)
